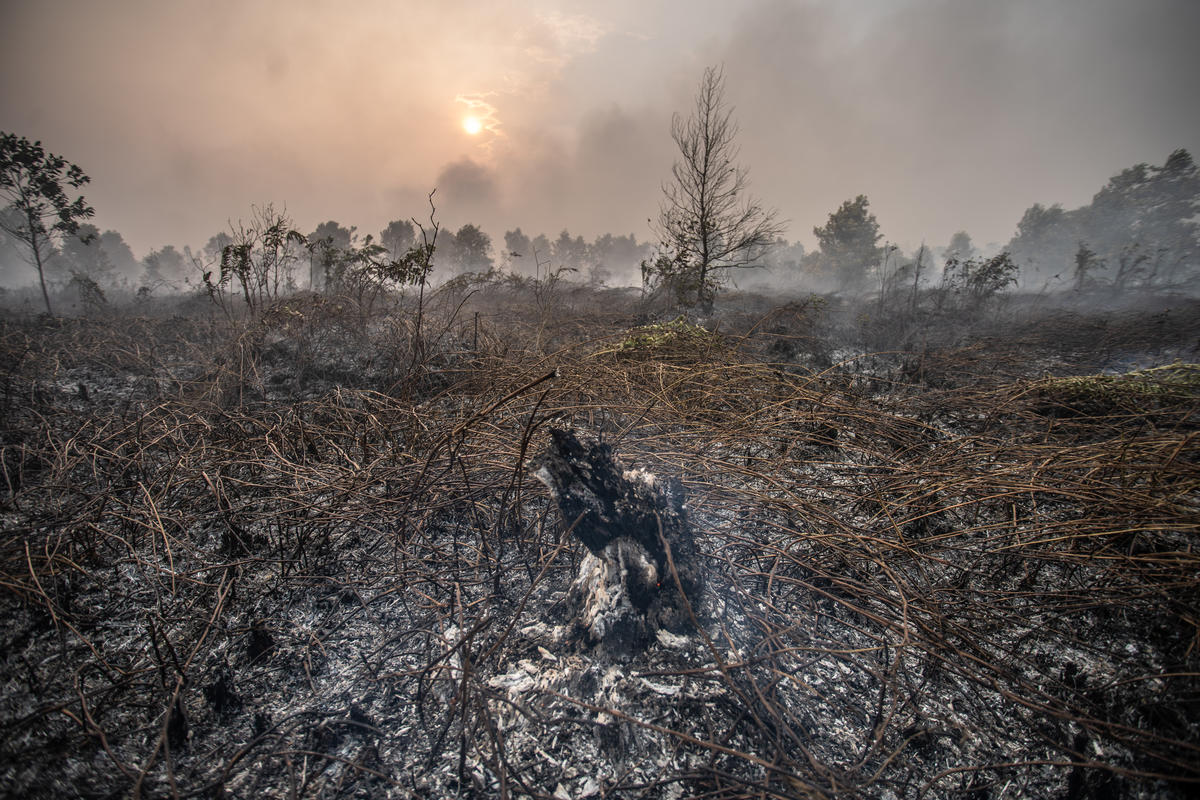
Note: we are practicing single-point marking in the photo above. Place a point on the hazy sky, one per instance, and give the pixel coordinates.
(948, 114)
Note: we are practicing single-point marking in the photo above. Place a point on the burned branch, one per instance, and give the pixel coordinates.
(628, 587)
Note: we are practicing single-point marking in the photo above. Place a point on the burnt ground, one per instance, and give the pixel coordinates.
(303, 557)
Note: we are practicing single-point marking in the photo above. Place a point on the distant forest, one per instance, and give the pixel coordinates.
(1141, 230)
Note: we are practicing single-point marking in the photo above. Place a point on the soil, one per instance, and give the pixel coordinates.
(304, 555)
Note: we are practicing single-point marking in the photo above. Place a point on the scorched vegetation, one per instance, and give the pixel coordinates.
(299, 553)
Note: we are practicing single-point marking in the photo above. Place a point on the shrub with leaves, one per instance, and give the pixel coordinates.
(262, 259)
(975, 281)
(91, 296)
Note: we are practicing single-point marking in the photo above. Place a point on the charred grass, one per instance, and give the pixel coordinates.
(302, 557)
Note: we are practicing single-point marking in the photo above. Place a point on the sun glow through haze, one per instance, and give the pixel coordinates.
(949, 116)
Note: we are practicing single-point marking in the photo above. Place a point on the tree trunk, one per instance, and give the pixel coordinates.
(41, 269)
(641, 552)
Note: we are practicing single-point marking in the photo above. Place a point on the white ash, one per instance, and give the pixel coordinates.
(642, 570)
(606, 614)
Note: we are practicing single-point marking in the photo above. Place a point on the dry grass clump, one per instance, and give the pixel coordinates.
(1134, 393)
(216, 580)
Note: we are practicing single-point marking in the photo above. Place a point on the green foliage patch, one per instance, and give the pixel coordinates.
(678, 334)
(1137, 392)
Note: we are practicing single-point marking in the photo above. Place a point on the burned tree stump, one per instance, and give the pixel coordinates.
(640, 547)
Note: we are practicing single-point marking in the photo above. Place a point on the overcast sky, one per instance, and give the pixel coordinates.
(947, 114)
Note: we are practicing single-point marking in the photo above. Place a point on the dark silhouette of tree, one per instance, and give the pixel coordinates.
(569, 252)
(517, 246)
(208, 258)
(334, 234)
(216, 245)
(618, 251)
(473, 249)
(517, 243)
(326, 246)
(12, 252)
(84, 254)
(707, 223)
(119, 255)
(446, 260)
(87, 265)
(1086, 261)
(1044, 243)
(398, 237)
(162, 267)
(541, 255)
(1143, 223)
(34, 183)
(615, 256)
(849, 243)
(1142, 229)
(960, 246)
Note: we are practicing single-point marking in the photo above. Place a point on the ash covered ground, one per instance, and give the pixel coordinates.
(302, 557)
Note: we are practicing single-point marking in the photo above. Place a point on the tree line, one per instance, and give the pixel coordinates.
(44, 228)
(1141, 230)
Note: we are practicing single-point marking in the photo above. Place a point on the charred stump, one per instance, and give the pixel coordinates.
(640, 547)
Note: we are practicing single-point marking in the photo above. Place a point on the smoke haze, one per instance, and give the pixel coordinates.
(949, 115)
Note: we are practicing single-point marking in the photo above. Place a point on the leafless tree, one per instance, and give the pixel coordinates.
(707, 222)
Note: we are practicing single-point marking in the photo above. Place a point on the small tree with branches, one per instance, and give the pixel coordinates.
(261, 255)
(707, 224)
(33, 182)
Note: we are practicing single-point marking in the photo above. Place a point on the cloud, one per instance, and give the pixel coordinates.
(574, 33)
(477, 105)
(467, 188)
(948, 114)
(955, 114)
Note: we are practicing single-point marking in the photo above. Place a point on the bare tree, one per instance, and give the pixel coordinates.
(707, 224)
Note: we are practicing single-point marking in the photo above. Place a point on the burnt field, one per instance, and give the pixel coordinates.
(304, 555)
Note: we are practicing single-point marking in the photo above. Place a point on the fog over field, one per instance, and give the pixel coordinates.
(949, 115)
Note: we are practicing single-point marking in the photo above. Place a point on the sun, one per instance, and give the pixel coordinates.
(472, 125)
